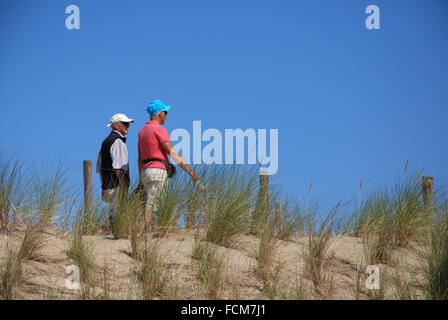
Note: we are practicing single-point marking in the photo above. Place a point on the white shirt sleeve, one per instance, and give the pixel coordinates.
(119, 155)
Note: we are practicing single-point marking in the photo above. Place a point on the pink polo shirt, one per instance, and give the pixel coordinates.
(150, 139)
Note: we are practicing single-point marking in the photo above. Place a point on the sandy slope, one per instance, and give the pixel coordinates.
(45, 278)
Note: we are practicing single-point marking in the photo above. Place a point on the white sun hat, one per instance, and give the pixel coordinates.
(119, 117)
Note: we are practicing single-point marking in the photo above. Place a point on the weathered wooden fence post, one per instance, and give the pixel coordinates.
(88, 195)
(427, 189)
(264, 188)
(263, 201)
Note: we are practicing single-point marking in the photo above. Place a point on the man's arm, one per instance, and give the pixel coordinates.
(118, 155)
(168, 148)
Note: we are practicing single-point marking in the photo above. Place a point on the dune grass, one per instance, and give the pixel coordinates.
(210, 266)
(11, 273)
(151, 270)
(435, 256)
(13, 193)
(230, 196)
(400, 209)
(88, 223)
(81, 253)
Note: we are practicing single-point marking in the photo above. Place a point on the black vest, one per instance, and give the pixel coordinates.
(110, 179)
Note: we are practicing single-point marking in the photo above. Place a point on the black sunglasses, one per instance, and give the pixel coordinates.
(126, 124)
(166, 112)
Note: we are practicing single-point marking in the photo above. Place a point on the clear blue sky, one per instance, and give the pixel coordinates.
(349, 103)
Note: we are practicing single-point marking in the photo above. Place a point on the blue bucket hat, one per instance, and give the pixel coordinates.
(156, 106)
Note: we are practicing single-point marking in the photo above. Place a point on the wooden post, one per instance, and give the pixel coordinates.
(264, 188)
(88, 195)
(427, 189)
(278, 214)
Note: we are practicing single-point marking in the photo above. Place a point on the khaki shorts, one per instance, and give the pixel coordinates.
(154, 180)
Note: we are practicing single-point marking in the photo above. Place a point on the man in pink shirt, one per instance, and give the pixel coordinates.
(154, 143)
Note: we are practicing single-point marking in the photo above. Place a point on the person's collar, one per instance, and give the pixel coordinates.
(118, 133)
(152, 121)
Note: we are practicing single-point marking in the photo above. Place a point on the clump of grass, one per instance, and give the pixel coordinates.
(317, 255)
(266, 250)
(127, 213)
(410, 215)
(81, 253)
(435, 257)
(229, 198)
(357, 282)
(400, 210)
(49, 194)
(210, 266)
(175, 287)
(271, 283)
(90, 222)
(137, 228)
(377, 228)
(151, 269)
(289, 219)
(171, 204)
(235, 285)
(13, 191)
(11, 273)
(377, 243)
(106, 282)
(299, 292)
(266, 270)
(403, 285)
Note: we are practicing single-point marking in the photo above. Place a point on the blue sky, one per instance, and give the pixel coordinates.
(349, 103)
